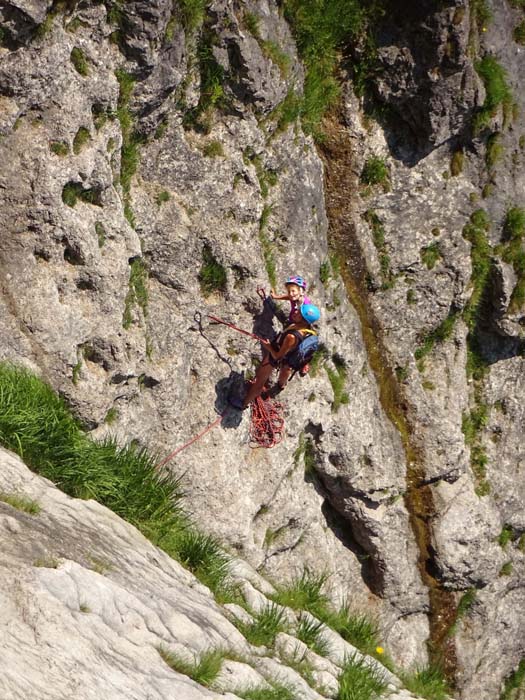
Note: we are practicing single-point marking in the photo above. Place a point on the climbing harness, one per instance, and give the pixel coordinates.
(266, 422)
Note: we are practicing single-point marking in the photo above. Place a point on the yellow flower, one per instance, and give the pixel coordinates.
(379, 650)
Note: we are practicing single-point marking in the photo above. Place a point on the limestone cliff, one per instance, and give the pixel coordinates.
(155, 172)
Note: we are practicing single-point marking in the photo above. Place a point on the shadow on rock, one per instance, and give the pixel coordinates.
(233, 385)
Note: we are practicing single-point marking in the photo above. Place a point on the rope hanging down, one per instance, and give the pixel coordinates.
(266, 422)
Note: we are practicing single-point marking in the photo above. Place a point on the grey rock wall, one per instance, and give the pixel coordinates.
(102, 295)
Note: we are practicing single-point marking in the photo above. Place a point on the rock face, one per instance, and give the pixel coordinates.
(150, 179)
(89, 606)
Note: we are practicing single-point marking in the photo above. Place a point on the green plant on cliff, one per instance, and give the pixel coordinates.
(265, 625)
(79, 61)
(212, 94)
(20, 502)
(519, 33)
(137, 291)
(212, 275)
(304, 592)
(360, 681)
(427, 682)
(439, 334)
(204, 668)
(514, 683)
(497, 91)
(375, 172)
(129, 154)
(512, 252)
(37, 425)
(430, 255)
(481, 260)
(193, 13)
(321, 28)
(277, 691)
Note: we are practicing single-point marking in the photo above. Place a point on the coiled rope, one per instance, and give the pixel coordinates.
(266, 415)
(266, 422)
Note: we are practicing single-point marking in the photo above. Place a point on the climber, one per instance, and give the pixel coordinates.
(295, 294)
(282, 353)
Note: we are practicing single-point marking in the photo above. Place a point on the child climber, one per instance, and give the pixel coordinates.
(276, 353)
(295, 294)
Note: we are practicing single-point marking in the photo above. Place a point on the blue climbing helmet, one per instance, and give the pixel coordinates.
(296, 279)
(310, 313)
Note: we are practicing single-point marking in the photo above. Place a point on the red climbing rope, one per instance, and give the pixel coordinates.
(267, 422)
(230, 325)
(190, 442)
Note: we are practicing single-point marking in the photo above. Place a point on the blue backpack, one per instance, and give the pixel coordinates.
(303, 353)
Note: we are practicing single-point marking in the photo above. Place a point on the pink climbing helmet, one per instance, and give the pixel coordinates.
(298, 280)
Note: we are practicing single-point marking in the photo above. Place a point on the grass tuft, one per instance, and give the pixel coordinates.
(59, 148)
(265, 626)
(203, 669)
(356, 627)
(375, 172)
(427, 682)
(359, 681)
(305, 592)
(310, 631)
(81, 138)
(212, 275)
(497, 91)
(20, 502)
(514, 683)
(137, 291)
(430, 255)
(277, 692)
(79, 61)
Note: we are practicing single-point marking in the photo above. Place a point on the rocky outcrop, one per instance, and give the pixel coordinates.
(90, 606)
(152, 176)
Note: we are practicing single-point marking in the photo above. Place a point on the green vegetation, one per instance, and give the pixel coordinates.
(465, 603)
(494, 151)
(81, 138)
(276, 692)
(203, 669)
(36, 424)
(472, 425)
(325, 272)
(457, 162)
(519, 33)
(212, 275)
(129, 154)
(273, 51)
(111, 416)
(481, 13)
(321, 28)
(73, 191)
(358, 628)
(192, 13)
(427, 682)
(213, 149)
(310, 631)
(505, 536)
(211, 88)
(506, 569)
(378, 236)
(306, 451)
(497, 91)
(20, 502)
(411, 297)
(440, 334)
(512, 252)
(430, 255)
(481, 258)
(359, 681)
(337, 377)
(204, 557)
(304, 592)
(59, 148)
(515, 682)
(101, 233)
(265, 626)
(137, 292)
(79, 61)
(375, 172)
(267, 246)
(163, 197)
(252, 22)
